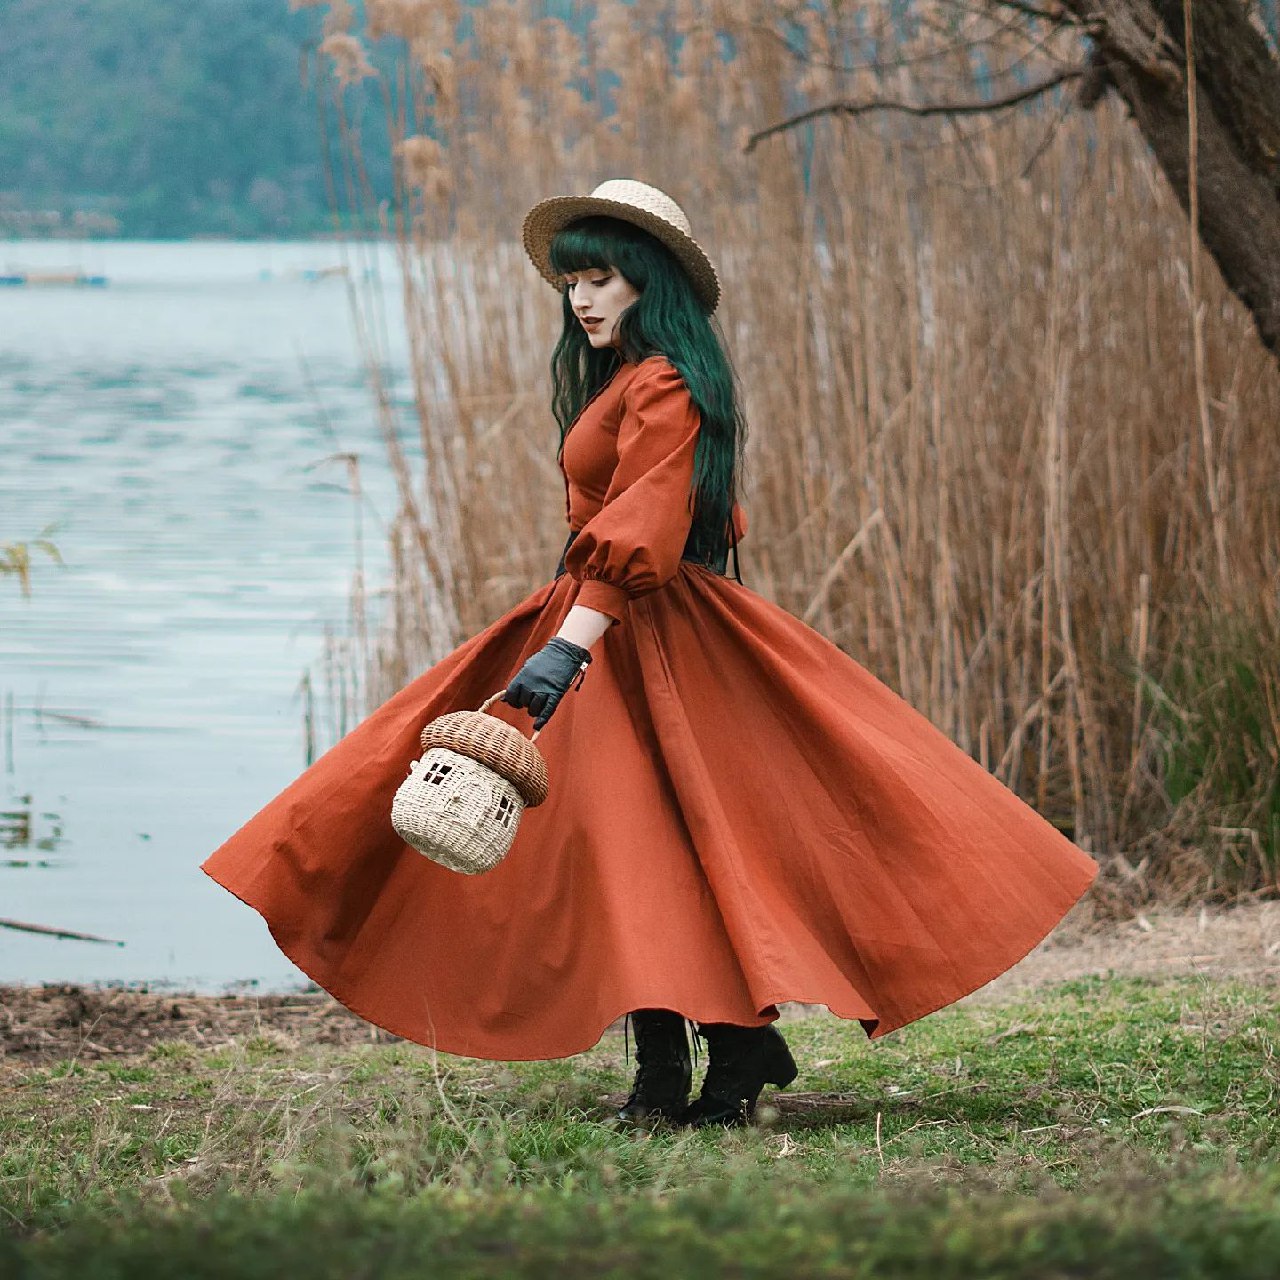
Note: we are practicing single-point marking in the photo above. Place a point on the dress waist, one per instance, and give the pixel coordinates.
(720, 567)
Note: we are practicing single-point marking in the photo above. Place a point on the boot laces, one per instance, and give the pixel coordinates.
(690, 1030)
(656, 1059)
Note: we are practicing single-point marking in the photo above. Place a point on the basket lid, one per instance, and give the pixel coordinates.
(494, 743)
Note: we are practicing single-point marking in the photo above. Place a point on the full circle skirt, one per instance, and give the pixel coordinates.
(740, 814)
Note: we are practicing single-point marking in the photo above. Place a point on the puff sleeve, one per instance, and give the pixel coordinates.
(633, 544)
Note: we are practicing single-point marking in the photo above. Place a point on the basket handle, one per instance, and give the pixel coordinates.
(488, 702)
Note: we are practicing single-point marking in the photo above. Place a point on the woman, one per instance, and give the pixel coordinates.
(739, 813)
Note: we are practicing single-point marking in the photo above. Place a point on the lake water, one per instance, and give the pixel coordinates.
(174, 425)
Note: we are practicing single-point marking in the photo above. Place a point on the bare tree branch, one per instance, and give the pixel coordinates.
(1054, 125)
(1012, 28)
(1056, 14)
(928, 109)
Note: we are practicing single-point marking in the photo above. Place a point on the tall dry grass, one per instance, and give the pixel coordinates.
(978, 459)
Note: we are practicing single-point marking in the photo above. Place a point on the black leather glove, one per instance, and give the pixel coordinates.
(546, 677)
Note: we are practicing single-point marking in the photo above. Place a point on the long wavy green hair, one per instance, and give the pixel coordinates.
(667, 319)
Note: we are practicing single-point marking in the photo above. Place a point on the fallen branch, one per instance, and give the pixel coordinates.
(1158, 1111)
(58, 933)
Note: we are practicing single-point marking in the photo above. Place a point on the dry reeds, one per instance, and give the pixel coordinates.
(994, 454)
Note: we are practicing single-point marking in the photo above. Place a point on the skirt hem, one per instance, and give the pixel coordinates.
(875, 1028)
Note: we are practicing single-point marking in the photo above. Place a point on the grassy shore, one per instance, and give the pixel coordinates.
(1101, 1123)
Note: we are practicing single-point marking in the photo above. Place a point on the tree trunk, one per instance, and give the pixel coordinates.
(1139, 51)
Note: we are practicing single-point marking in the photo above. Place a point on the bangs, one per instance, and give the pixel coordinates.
(581, 248)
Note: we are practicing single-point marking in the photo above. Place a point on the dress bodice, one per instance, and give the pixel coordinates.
(628, 464)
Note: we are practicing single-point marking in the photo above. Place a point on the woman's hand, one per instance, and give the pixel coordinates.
(546, 677)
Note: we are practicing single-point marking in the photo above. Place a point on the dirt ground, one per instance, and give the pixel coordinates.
(1215, 942)
(47, 1023)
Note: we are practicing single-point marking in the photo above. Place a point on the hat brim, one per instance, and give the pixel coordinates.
(549, 216)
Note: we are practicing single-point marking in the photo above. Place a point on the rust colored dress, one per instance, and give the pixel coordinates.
(739, 814)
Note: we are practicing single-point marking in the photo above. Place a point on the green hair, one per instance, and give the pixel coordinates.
(667, 319)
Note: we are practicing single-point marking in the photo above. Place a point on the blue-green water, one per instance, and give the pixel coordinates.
(171, 424)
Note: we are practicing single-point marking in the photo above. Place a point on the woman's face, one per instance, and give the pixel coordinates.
(600, 294)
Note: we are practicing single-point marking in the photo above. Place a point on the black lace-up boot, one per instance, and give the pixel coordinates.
(665, 1075)
(743, 1061)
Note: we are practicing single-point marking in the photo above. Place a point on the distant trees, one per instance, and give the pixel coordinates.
(161, 120)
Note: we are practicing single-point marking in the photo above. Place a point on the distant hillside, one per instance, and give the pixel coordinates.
(160, 118)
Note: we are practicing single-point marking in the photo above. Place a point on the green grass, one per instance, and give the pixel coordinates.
(987, 1134)
(1126, 1230)
(1220, 747)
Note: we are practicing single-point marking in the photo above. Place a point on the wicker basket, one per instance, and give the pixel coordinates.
(462, 801)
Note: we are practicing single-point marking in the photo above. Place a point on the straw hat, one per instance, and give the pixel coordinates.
(632, 201)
